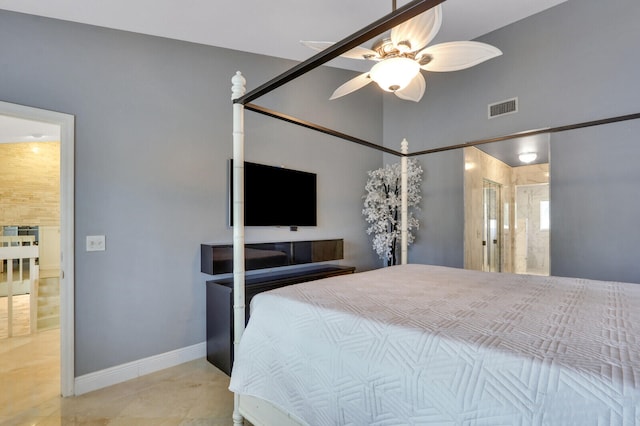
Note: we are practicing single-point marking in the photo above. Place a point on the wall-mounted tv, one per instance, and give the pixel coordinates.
(276, 196)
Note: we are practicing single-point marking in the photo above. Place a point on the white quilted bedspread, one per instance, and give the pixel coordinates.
(419, 344)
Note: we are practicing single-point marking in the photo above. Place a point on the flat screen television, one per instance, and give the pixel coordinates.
(276, 196)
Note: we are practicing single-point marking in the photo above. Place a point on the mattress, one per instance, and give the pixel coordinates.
(418, 344)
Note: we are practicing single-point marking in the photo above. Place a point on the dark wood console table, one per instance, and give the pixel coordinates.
(220, 304)
(217, 259)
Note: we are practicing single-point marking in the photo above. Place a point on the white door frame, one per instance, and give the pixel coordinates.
(67, 201)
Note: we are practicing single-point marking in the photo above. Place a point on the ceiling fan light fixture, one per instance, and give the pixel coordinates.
(394, 73)
(405, 51)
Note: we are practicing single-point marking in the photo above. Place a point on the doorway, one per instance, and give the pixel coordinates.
(490, 217)
(62, 254)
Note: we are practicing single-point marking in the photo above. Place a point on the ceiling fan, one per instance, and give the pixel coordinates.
(402, 55)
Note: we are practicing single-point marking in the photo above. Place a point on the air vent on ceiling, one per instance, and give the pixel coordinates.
(510, 106)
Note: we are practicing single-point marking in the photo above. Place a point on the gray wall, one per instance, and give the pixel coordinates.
(153, 135)
(594, 194)
(572, 63)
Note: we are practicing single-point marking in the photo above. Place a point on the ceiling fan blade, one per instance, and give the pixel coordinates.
(417, 32)
(457, 55)
(355, 53)
(415, 89)
(351, 85)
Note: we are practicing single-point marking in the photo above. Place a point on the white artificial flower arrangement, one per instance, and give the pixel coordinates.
(382, 207)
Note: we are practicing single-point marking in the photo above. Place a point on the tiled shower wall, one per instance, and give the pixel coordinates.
(531, 244)
(30, 184)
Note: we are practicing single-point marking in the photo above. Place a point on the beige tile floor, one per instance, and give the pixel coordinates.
(21, 320)
(194, 393)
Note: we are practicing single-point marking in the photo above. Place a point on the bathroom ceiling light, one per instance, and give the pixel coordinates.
(527, 157)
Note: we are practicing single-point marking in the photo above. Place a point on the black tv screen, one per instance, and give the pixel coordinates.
(275, 196)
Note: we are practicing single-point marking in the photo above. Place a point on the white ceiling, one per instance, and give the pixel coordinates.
(20, 130)
(272, 28)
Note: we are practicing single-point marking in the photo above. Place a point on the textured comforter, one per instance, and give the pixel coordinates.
(419, 344)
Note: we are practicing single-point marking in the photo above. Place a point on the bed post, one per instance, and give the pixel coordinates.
(238, 89)
(404, 220)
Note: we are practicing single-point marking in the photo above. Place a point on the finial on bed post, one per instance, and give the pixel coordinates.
(238, 89)
(238, 83)
(404, 209)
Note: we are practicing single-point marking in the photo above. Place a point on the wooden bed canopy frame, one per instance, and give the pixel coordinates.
(242, 100)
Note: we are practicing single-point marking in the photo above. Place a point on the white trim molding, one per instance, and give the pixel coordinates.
(131, 370)
(67, 221)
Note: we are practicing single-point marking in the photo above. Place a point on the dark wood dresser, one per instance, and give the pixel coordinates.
(220, 304)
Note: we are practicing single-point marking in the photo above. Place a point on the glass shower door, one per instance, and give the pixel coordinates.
(491, 240)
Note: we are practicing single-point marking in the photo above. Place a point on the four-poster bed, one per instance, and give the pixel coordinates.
(562, 377)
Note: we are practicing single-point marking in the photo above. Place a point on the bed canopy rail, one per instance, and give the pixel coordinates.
(309, 125)
(372, 30)
(556, 129)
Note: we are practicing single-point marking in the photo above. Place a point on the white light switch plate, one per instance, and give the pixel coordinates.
(95, 243)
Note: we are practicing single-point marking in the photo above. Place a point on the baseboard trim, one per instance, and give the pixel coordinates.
(131, 370)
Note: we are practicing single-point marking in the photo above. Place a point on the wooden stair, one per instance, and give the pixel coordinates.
(48, 302)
